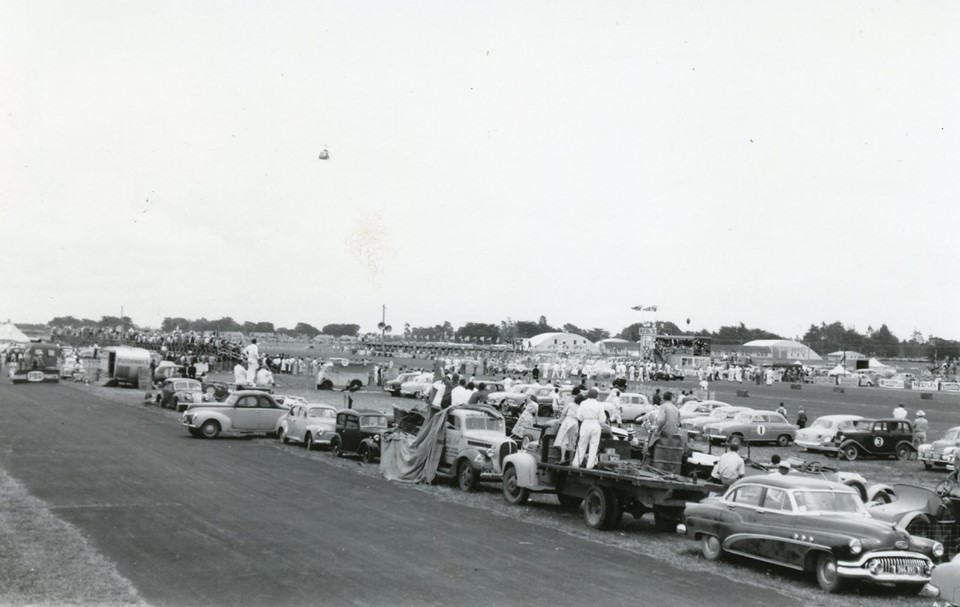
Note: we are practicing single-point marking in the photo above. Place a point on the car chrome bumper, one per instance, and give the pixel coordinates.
(717, 437)
(910, 567)
(934, 458)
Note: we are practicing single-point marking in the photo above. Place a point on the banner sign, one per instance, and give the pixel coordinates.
(891, 383)
(924, 385)
(950, 386)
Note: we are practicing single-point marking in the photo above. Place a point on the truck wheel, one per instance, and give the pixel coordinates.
(569, 502)
(850, 452)
(710, 547)
(783, 440)
(210, 429)
(827, 575)
(667, 519)
(903, 452)
(512, 491)
(355, 385)
(599, 507)
(466, 476)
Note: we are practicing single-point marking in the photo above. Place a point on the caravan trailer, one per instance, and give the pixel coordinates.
(122, 364)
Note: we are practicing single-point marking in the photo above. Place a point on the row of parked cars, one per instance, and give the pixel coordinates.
(814, 519)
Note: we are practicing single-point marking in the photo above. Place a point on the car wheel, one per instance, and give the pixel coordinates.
(569, 502)
(210, 429)
(335, 446)
(308, 441)
(368, 455)
(783, 440)
(710, 547)
(466, 476)
(903, 452)
(883, 497)
(326, 385)
(736, 439)
(355, 385)
(512, 491)
(850, 453)
(927, 466)
(827, 575)
(282, 436)
(599, 507)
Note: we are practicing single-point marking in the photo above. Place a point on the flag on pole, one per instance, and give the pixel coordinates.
(650, 309)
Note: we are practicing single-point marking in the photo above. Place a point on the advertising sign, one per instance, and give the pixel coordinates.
(891, 383)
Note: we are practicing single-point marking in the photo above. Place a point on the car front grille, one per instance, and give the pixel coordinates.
(895, 565)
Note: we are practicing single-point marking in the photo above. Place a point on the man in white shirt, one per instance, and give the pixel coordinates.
(460, 395)
(507, 383)
(900, 412)
(239, 373)
(591, 415)
(252, 354)
(729, 467)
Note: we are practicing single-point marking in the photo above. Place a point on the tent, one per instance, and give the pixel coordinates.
(838, 370)
(9, 332)
(876, 364)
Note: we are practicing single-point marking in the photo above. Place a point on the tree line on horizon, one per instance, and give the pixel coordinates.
(823, 338)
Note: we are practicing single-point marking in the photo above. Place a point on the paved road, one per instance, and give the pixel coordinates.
(243, 522)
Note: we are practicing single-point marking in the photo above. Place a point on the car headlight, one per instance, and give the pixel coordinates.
(856, 546)
(376, 438)
(188, 397)
(490, 453)
(937, 549)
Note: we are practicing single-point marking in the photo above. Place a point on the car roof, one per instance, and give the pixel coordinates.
(844, 416)
(317, 406)
(362, 411)
(792, 481)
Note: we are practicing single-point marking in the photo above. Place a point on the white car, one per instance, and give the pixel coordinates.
(634, 406)
(699, 408)
(821, 432)
(310, 424)
(418, 386)
(244, 412)
(695, 425)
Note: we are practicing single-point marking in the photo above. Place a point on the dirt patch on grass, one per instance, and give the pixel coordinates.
(45, 561)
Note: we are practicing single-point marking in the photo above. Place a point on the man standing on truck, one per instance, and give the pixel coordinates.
(591, 415)
(252, 354)
(668, 422)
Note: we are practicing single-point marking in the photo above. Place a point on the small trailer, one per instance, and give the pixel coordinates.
(610, 489)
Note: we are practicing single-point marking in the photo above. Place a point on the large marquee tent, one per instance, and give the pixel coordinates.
(9, 333)
(776, 350)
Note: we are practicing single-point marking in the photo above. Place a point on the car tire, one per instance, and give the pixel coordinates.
(783, 440)
(826, 572)
(850, 453)
(903, 452)
(210, 429)
(466, 477)
(711, 548)
(600, 507)
(927, 466)
(308, 442)
(368, 455)
(335, 446)
(175, 404)
(735, 439)
(355, 385)
(513, 493)
(326, 385)
(282, 436)
(569, 502)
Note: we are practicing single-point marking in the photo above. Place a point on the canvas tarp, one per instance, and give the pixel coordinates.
(414, 459)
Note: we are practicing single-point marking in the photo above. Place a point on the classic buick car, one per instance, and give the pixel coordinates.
(244, 412)
(818, 435)
(358, 432)
(310, 424)
(752, 427)
(873, 438)
(809, 525)
(939, 453)
(179, 393)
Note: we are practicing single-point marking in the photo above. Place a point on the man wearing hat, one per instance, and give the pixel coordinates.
(920, 425)
(591, 415)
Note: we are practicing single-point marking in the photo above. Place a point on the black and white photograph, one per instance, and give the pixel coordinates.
(528, 303)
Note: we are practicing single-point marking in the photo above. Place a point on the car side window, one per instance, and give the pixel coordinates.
(247, 402)
(776, 499)
(352, 424)
(880, 427)
(747, 495)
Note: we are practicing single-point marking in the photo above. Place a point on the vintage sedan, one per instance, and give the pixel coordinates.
(939, 453)
(634, 406)
(179, 393)
(310, 424)
(699, 408)
(694, 425)
(810, 525)
(244, 412)
(752, 427)
(418, 386)
(873, 438)
(818, 436)
(392, 386)
(358, 432)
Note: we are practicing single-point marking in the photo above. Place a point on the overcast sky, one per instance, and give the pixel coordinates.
(774, 163)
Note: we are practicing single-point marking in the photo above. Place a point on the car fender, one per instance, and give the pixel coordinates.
(910, 445)
(875, 490)
(224, 420)
(913, 516)
(526, 466)
(473, 455)
(849, 442)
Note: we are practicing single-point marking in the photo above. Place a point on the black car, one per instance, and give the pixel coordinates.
(873, 438)
(358, 433)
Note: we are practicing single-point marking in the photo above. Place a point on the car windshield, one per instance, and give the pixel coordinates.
(231, 400)
(482, 421)
(720, 413)
(951, 435)
(380, 421)
(743, 418)
(322, 412)
(833, 502)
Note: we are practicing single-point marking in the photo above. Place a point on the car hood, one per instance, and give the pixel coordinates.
(874, 533)
(941, 445)
(325, 425)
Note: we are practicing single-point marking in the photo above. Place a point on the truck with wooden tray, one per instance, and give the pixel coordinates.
(618, 484)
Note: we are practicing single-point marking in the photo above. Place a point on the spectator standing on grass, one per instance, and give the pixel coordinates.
(801, 419)
(460, 395)
(656, 400)
(782, 410)
(480, 396)
(900, 412)
(920, 426)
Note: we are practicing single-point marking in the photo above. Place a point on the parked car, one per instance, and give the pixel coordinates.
(873, 438)
(634, 405)
(393, 386)
(939, 453)
(694, 425)
(818, 435)
(924, 513)
(474, 445)
(810, 525)
(752, 427)
(417, 387)
(244, 412)
(178, 393)
(216, 390)
(699, 408)
(310, 424)
(358, 433)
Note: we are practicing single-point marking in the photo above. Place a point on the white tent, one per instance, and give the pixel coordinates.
(838, 370)
(10, 333)
(876, 364)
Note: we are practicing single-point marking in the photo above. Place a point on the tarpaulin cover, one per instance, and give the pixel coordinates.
(406, 458)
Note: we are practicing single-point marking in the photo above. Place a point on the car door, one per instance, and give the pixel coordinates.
(351, 433)
(775, 524)
(880, 439)
(741, 528)
(246, 413)
(295, 423)
(269, 413)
